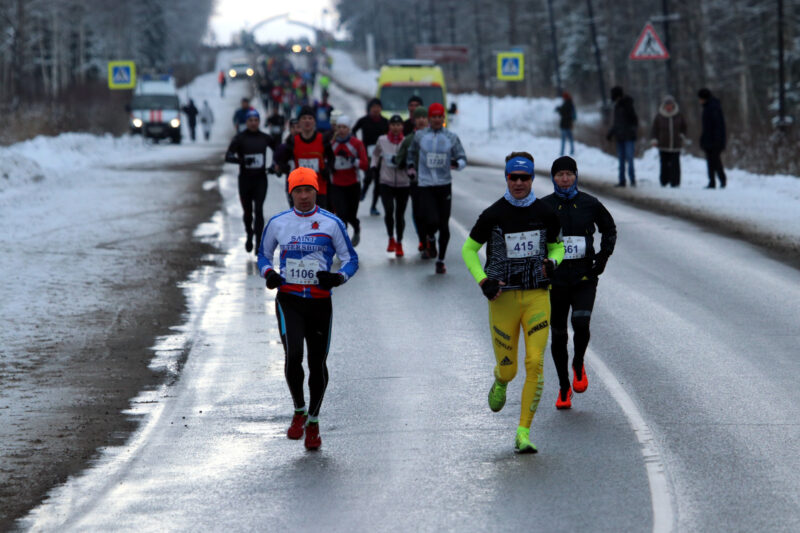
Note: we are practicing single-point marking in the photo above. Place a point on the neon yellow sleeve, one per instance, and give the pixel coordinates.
(469, 252)
(555, 252)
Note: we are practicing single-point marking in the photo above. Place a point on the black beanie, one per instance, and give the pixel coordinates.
(704, 94)
(306, 110)
(616, 92)
(373, 102)
(563, 163)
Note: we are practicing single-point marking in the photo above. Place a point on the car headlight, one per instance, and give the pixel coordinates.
(232, 73)
(174, 122)
(137, 123)
(250, 72)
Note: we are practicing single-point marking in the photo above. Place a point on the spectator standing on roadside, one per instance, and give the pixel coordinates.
(667, 134)
(713, 137)
(568, 115)
(623, 130)
(191, 112)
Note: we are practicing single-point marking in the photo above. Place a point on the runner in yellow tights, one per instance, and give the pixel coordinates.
(523, 237)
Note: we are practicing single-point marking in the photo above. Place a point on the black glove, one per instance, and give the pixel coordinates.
(599, 264)
(374, 171)
(490, 288)
(393, 160)
(549, 268)
(328, 280)
(274, 280)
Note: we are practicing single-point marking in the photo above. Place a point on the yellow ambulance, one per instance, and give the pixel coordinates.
(400, 79)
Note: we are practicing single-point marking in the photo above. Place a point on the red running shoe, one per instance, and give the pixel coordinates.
(296, 429)
(392, 245)
(564, 399)
(313, 440)
(398, 250)
(421, 246)
(581, 384)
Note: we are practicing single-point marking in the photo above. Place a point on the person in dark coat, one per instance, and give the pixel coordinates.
(567, 113)
(623, 129)
(667, 134)
(191, 112)
(372, 125)
(713, 138)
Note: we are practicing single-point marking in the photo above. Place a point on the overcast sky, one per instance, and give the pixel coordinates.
(233, 15)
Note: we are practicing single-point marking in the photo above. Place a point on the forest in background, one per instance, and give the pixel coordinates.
(731, 47)
(54, 55)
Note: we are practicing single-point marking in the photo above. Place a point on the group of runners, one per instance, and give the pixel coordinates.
(541, 262)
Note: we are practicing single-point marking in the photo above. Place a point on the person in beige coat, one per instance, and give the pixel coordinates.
(668, 135)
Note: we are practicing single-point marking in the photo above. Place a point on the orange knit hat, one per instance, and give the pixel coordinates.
(303, 176)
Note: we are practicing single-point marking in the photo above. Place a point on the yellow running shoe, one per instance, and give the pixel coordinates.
(497, 396)
(523, 444)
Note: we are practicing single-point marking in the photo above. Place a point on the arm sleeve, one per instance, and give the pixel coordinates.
(358, 126)
(469, 252)
(457, 151)
(413, 152)
(232, 155)
(345, 251)
(402, 153)
(266, 250)
(363, 163)
(376, 154)
(608, 229)
(555, 252)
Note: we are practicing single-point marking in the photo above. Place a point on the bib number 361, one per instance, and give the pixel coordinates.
(574, 247)
(301, 272)
(523, 244)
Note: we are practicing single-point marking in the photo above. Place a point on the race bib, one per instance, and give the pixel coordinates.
(436, 160)
(574, 247)
(343, 163)
(523, 244)
(301, 272)
(313, 164)
(254, 161)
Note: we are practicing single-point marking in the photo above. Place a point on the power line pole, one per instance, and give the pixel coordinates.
(668, 62)
(600, 73)
(555, 45)
(782, 122)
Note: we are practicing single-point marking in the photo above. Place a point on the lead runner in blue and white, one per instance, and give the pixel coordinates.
(308, 238)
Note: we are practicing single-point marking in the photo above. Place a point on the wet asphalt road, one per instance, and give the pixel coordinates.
(699, 331)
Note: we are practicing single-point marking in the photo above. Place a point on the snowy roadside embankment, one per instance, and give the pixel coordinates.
(760, 208)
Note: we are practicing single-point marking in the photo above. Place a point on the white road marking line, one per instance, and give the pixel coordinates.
(660, 493)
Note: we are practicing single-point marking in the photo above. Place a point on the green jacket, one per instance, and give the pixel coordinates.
(402, 152)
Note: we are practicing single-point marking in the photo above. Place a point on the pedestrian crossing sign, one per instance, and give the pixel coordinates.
(121, 75)
(510, 66)
(649, 46)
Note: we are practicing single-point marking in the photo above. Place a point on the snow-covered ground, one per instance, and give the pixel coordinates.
(764, 205)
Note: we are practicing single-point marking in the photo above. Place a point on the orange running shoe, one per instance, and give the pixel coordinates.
(564, 399)
(392, 245)
(581, 384)
(398, 250)
(313, 440)
(298, 423)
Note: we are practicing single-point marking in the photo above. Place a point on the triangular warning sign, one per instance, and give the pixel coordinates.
(121, 75)
(649, 46)
(510, 66)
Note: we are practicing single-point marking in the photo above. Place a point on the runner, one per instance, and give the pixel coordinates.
(394, 183)
(309, 149)
(518, 229)
(436, 150)
(345, 189)
(240, 116)
(410, 125)
(248, 149)
(308, 238)
(372, 125)
(420, 123)
(575, 282)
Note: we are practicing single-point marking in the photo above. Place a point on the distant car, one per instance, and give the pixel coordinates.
(155, 109)
(240, 70)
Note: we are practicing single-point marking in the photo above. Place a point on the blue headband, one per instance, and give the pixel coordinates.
(252, 113)
(519, 163)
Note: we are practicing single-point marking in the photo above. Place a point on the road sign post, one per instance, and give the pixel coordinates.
(121, 75)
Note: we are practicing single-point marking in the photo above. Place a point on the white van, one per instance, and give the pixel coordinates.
(155, 109)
